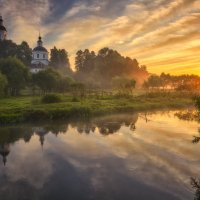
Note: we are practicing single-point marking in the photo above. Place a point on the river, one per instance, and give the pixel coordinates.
(122, 156)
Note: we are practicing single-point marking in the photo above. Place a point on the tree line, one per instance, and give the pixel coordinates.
(104, 69)
(15, 76)
(173, 82)
(99, 69)
(58, 57)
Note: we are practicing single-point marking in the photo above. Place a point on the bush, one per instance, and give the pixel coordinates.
(35, 101)
(75, 99)
(51, 98)
(197, 101)
(46, 80)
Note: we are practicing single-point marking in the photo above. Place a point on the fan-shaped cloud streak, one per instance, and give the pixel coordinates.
(162, 34)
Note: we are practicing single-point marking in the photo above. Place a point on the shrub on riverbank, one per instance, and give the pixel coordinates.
(51, 98)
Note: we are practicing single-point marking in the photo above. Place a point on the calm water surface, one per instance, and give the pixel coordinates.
(125, 156)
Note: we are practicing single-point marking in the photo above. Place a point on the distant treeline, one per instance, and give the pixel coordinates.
(172, 82)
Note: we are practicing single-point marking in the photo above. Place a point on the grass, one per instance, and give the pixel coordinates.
(27, 108)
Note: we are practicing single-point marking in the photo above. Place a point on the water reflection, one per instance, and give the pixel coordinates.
(124, 156)
(4, 151)
(105, 125)
(192, 115)
(187, 115)
(196, 139)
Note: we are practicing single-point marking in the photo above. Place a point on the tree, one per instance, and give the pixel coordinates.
(153, 82)
(64, 84)
(10, 49)
(59, 58)
(84, 61)
(24, 53)
(79, 60)
(78, 90)
(46, 80)
(100, 68)
(7, 49)
(3, 84)
(17, 75)
(130, 86)
(124, 85)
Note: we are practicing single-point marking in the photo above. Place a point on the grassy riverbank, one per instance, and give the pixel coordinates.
(21, 109)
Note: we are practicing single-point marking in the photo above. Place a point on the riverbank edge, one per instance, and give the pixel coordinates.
(60, 111)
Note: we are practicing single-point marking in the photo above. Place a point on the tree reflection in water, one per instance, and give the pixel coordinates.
(188, 115)
(139, 150)
(196, 139)
(4, 151)
(195, 183)
(105, 125)
(192, 116)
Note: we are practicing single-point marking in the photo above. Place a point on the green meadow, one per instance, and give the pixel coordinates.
(31, 108)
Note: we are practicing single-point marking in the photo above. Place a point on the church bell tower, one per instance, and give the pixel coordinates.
(3, 31)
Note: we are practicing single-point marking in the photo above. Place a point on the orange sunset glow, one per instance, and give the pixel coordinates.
(164, 35)
(99, 99)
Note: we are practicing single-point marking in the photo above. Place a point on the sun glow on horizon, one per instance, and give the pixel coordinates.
(164, 35)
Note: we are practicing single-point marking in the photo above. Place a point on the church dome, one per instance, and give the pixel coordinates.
(40, 48)
(40, 56)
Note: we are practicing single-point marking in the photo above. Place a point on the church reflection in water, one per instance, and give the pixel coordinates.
(104, 125)
(84, 154)
(4, 151)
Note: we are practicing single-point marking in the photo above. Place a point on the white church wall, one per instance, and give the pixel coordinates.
(40, 57)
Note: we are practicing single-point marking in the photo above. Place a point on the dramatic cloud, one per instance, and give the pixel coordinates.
(162, 34)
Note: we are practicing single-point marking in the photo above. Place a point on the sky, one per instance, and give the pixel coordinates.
(164, 35)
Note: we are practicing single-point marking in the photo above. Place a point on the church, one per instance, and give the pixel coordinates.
(40, 55)
(3, 31)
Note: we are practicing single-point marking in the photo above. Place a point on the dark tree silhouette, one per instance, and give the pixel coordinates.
(16, 73)
(178, 83)
(46, 80)
(99, 69)
(196, 186)
(59, 58)
(10, 49)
